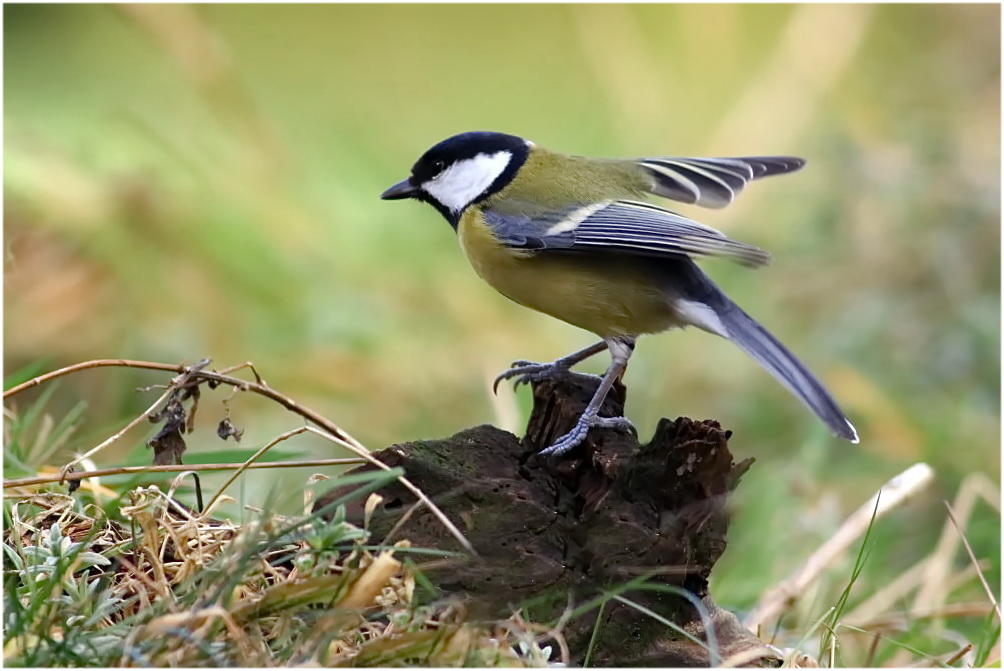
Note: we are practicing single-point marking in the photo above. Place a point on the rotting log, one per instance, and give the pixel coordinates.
(553, 531)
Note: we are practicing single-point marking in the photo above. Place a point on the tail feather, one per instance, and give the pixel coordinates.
(756, 341)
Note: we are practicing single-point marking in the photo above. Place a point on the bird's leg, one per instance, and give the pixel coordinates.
(526, 372)
(620, 352)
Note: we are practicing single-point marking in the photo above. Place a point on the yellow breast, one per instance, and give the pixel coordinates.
(607, 294)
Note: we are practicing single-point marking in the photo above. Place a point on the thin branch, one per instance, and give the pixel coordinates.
(959, 655)
(176, 384)
(286, 402)
(175, 468)
(94, 363)
(257, 387)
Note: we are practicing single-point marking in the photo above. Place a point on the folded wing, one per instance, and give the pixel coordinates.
(623, 226)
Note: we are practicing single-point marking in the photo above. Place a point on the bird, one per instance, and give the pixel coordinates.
(575, 237)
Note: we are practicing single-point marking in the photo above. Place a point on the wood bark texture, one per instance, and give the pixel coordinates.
(550, 532)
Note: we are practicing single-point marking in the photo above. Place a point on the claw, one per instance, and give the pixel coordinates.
(581, 430)
(526, 372)
(619, 423)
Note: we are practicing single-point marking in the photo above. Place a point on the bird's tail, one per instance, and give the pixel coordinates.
(755, 340)
(701, 303)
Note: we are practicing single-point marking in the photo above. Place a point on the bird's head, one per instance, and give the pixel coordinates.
(462, 170)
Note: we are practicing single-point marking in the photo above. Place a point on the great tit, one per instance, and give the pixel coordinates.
(569, 236)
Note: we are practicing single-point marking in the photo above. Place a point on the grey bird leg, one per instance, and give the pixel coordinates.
(526, 372)
(620, 352)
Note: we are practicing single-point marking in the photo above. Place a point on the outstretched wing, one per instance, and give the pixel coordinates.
(712, 182)
(625, 226)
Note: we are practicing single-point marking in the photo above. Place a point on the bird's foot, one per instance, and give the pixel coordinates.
(581, 430)
(526, 372)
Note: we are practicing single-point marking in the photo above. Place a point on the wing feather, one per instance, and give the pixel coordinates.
(712, 182)
(624, 226)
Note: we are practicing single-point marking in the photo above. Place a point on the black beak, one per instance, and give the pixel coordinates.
(400, 190)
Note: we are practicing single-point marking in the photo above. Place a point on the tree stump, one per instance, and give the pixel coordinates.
(554, 531)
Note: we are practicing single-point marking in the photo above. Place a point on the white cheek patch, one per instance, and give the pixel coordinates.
(465, 180)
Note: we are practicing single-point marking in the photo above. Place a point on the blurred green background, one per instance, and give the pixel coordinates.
(183, 182)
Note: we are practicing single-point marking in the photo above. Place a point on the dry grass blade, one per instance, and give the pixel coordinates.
(880, 607)
(893, 493)
(198, 591)
(885, 598)
(251, 460)
(872, 649)
(933, 589)
(904, 618)
(931, 577)
(974, 560)
(746, 658)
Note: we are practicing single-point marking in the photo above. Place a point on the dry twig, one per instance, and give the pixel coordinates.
(176, 468)
(328, 430)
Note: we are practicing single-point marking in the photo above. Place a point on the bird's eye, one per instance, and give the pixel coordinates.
(438, 167)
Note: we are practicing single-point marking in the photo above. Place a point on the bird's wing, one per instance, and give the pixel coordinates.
(712, 182)
(624, 226)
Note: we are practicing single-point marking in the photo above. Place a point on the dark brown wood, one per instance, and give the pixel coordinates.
(554, 531)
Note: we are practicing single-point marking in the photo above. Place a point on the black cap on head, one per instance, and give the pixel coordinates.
(453, 150)
(467, 145)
